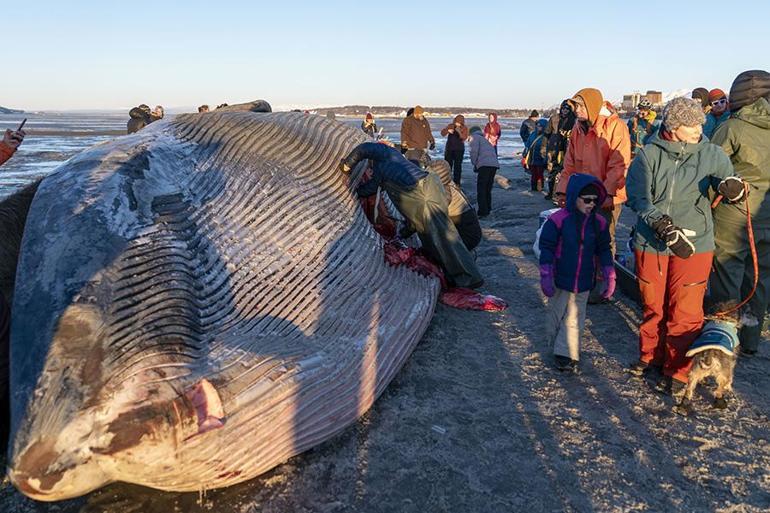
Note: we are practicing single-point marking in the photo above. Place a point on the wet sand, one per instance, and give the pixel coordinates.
(478, 420)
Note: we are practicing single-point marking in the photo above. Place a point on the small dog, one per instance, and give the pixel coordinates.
(714, 353)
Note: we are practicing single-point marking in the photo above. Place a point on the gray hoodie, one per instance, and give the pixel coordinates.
(482, 152)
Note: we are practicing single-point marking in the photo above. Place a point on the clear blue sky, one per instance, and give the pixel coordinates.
(94, 55)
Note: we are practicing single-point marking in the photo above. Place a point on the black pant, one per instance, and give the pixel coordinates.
(455, 159)
(484, 180)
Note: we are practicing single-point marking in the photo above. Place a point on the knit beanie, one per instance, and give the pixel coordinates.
(419, 111)
(534, 114)
(716, 94)
(589, 190)
(682, 112)
(702, 95)
(593, 100)
(475, 129)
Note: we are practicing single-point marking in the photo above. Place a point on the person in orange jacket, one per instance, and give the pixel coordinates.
(599, 145)
(11, 142)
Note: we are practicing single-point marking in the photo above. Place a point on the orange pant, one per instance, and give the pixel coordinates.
(672, 290)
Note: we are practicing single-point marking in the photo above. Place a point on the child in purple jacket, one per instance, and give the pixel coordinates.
(571, 241)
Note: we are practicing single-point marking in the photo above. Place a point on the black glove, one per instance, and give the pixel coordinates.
(433, 146)
(674, 237)
(732, 188)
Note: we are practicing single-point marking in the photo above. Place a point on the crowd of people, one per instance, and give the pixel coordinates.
(668, 168)
(697, 176)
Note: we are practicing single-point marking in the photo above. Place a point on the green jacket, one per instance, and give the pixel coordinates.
(675, 179)
(745, 137)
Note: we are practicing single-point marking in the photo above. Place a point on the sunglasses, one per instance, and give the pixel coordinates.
(589, 200)
(719, 102)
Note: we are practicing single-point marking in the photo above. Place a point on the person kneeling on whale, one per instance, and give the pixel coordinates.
(460, 210)
(420, 198)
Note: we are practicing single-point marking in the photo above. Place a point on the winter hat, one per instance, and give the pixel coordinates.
(702, 95)
(369, 115)
(593, 101)
(749, 87)
(534, 114)
(589, 190)
(682, 112)
(419, 111)
(475, 129)
(716, 94)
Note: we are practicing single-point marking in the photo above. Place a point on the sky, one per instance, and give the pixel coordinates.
(114, 55)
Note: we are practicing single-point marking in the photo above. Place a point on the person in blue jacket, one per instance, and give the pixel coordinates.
(420, 197)
(571, 240)
(535, 155)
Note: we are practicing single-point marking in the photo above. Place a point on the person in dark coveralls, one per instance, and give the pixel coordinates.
(420, 198)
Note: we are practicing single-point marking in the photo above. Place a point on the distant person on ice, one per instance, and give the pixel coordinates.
(416, 133)
(571, 240)
(528, 126)
(456, 134)
(492, 130)
(369, 126)
(420, 198)
(485, 165)
(141, 116)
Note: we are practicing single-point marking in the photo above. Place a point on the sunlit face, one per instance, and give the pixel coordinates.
(643, 113)
(719, 106)
(688, 134)
(580, 111)
(491, 118)
(586, 203)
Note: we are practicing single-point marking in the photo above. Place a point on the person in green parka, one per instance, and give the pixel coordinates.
(669, 185)
(745, 137)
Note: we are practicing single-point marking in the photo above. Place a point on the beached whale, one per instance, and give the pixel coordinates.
(196, 303)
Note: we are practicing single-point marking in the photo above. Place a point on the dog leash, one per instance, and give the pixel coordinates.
(752, 247)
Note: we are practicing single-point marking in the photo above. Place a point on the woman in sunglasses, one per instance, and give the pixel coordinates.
(668, 186)
(719, 112)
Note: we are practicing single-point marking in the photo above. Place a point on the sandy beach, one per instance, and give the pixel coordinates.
(479, 421)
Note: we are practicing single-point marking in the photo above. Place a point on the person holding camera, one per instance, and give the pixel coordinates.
(668, 187)
(12, 139)
(456, 133)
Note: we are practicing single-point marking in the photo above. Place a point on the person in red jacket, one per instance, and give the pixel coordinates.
(8, 146)
(11, 142)
(492, 130)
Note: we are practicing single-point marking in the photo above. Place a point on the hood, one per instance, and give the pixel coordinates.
(475, 129)
(593, 100)
(494, 116)
(576, 183)
(542, 123)
(139, 113)
(757, 114)
(675, 147)
(460, 119)
(748, 87)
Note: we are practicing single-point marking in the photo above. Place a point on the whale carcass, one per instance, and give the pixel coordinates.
(198, 302)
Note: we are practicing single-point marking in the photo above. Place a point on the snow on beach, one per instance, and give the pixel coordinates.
(478, 420)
